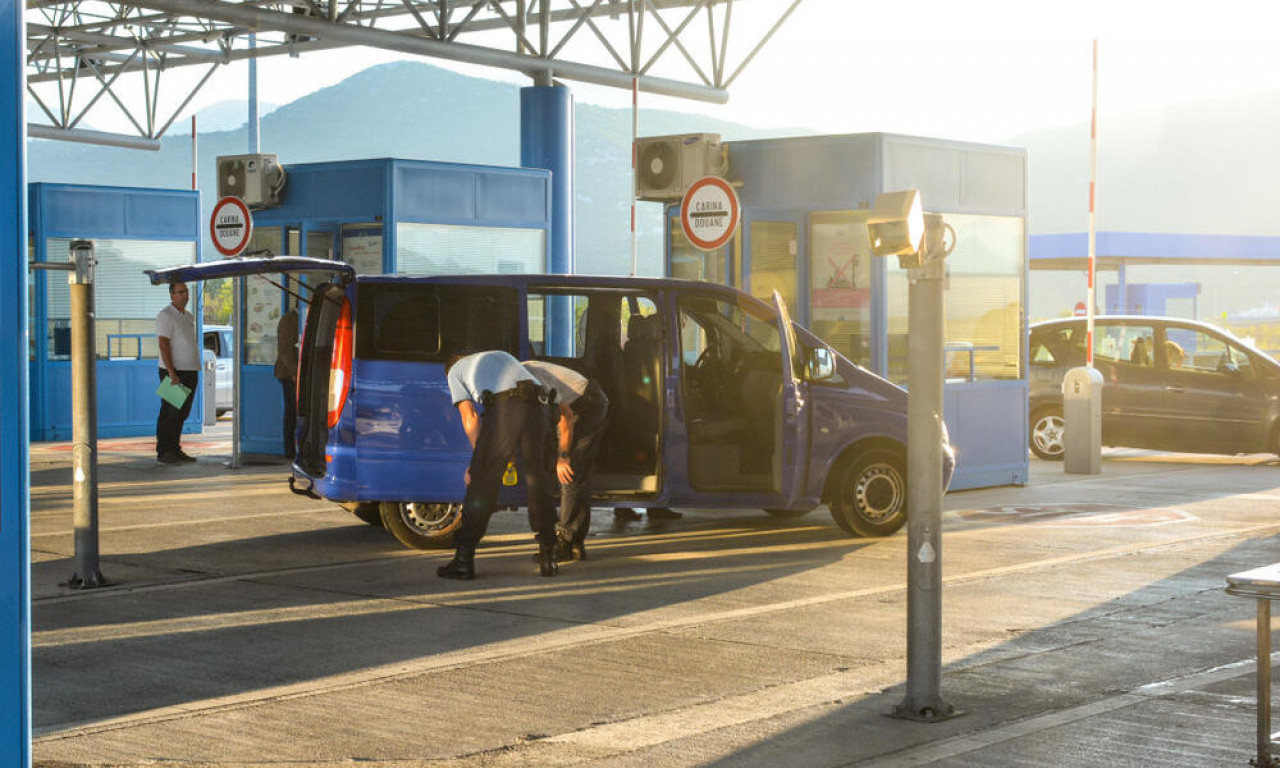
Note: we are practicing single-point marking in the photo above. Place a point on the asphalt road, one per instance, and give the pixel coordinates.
(1084, 624)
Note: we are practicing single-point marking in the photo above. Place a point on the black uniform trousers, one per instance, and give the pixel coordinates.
(169, 422)
(592, 411)
(510, 428)
(290, 423)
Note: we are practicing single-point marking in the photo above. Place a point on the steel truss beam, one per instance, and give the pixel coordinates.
(79, 51)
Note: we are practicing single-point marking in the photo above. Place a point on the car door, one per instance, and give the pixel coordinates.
(1133, 389)
(792, 454)
(1214, 396)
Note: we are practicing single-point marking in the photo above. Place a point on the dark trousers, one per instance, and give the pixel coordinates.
(510, 428)
(169, 422)
(592, 410)
(289, 387)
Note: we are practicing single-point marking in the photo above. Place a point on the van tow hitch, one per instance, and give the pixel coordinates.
(308, 492)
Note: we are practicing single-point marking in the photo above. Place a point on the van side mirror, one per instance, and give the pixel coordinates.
(820, 365)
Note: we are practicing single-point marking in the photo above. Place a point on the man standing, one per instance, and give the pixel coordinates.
(180, 363)
(515, 424)
(287, 372)
(583, 412)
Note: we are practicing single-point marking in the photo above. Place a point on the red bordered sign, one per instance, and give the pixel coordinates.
(709, 213)
(230, 226)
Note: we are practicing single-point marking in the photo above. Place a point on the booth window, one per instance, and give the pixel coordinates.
(440, 249)
(362, 247)
(840, 282)
(125, 301)
(773, 260)
(690, 263)
(984, 302)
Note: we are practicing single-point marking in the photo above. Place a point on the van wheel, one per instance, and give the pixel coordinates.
(1047, 433)
(788, 513)
(870, 495)
(421, 525)
(368, 511)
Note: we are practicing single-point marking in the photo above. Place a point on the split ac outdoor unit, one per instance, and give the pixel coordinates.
(666, 166)
(258, 180)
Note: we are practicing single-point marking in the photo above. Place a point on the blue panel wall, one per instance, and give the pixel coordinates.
(261, 429)
(68, 210)
(820, 172)
(15, 572)
(351, 191)
(987, 455)
(127, 404)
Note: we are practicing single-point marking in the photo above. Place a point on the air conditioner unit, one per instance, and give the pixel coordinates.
(258, 180)
(666, 166)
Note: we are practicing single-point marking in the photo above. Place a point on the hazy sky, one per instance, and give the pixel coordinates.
(978, 71)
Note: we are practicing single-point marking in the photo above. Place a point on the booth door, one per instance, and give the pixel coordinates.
(774, 242)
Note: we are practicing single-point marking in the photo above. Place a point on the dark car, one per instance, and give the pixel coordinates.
(1168, 384)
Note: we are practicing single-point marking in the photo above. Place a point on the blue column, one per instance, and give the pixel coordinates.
(546, 141)
(15, 571)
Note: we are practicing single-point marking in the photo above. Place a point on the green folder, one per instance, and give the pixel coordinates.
(173, 394)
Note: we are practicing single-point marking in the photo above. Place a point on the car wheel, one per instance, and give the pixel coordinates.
(368, 511)
(788, 513)
(421, 525)
(870, 495)
(1047, 433)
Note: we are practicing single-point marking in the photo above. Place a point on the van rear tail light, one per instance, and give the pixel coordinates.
(340, 364)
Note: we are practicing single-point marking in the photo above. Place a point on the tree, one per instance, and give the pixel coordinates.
(217, 301)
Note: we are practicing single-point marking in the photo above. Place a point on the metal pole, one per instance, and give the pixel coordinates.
(84, 418)
(925, 335)
(1093, 230)
(1263, 679)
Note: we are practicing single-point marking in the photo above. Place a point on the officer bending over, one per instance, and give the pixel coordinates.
(513, 425)
(583, 411)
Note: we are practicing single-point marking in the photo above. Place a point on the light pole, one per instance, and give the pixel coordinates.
(898, 227)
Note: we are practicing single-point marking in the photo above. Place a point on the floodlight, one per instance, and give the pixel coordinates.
(895, 226)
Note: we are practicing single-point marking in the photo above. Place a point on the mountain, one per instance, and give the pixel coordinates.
(228, 115)
(416, 111)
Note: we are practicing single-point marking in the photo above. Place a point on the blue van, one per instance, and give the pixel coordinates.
(717, 400)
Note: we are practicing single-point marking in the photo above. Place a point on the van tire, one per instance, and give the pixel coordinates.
(1046, 433)
(869, 497)
(785, 514)
(368, 511)
(422, 525)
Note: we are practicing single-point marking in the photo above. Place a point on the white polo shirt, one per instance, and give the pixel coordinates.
(180, 329)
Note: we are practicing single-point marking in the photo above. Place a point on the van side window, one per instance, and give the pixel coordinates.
(539, 308)
(428, 323)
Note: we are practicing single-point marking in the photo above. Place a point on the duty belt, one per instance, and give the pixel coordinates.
(523, 390)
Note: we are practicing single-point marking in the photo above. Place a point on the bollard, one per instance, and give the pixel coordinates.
(1082, 419)
(210, 362)
(84, 418)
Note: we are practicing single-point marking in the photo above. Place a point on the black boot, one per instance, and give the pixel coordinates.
(547, 565)
(461, 567)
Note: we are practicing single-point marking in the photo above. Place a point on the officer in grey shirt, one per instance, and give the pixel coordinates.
(584, 410)
(514, 424)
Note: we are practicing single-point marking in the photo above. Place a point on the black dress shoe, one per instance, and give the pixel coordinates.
(462, 567)
(547, 565)
(564, 551)
(626, 514)
(169, 458)
(185, 458)
(663, 513)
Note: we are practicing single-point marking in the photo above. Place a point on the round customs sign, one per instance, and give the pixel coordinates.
(230, 226)
(709, 213)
